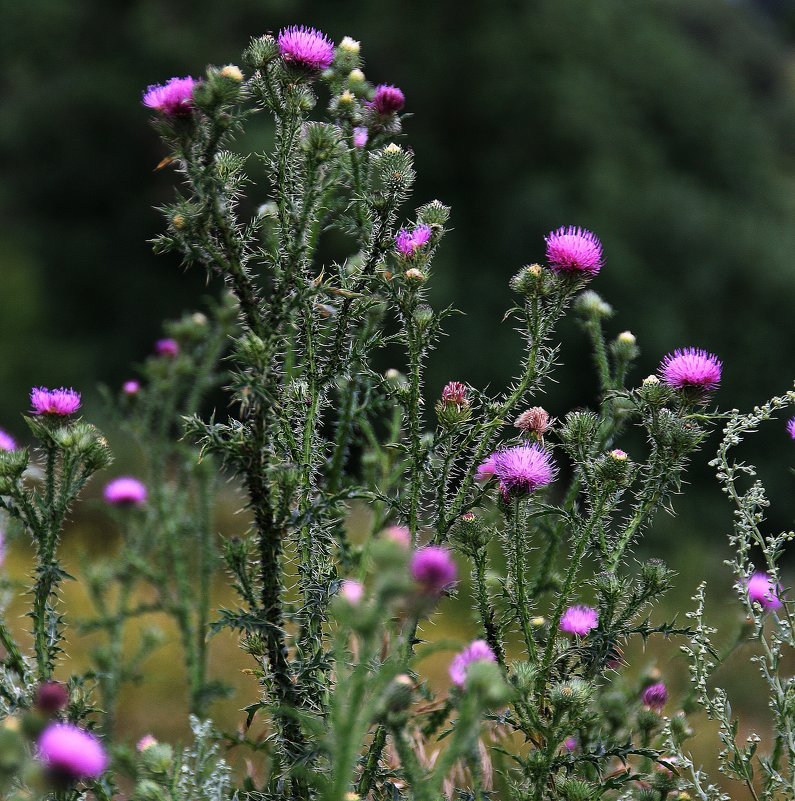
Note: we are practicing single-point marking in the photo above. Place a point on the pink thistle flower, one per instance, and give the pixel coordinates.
(761, 590)
(125, 491)
(455, 393)
(433, 567)
(51, 697)
(791, 427)
(409, 242)
(72, 752)
(655, 696)
(387, 100)
(305, 47)
(60, 402)
(574, 250)
(399, 535)
(486, 470)
(147, 741)
(131, 387)
(352, 591)
(167, 347)
(570, 744)
(360, 137)
(476, 651)
(7, 442)
(691, 368)
(579, 620)
(523, 468)
(173, 98)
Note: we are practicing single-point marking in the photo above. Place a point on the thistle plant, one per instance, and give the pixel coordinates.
(324, 274)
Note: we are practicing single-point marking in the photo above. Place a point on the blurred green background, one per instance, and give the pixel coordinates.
(666, 126)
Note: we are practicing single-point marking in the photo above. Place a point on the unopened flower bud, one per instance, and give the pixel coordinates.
(454, 405)
(356, 79)
(232, 72)
(392, 148)
(399, 693)
(346, 100)
(590, 304)
(423, 317)
(178, 221)
(349, 45)
(528, 280)
(415, 276)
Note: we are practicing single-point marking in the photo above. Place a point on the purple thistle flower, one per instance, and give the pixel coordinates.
(305, 47)
(352, 591)
(486, 470)
(7, 442)
(655, 696)
(173, 98)
(476, 651)
(409, 242)
(51, 697)
(433, 567)
(761, 590)
(125, 491)
(579, 620)
(167, 347)
(131, 387)
(574, 250)
(360, 136)
(523, 468)
(72, 752)
(147, 741)
(791, 427)
(570, 743)
(61, 402)
(387, 99)
(691, 367)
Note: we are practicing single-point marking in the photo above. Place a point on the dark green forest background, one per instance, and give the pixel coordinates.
(666, 126)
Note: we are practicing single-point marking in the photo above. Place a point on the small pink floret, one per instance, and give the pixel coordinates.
(761, 590)
(360, 136)
(125, 491)
(7, 442)
(305, 47)
(486, 470)
(388, 99)
(131, 387)
(61, 402)
(476, 651)
(655, 696)
(352, 591)
(570, 744)
(456, 393)
(433, 568)
(691, 368)
(147, 741)
(579, 620)
(791, 427)
(167, 347)
(523, 468)
(409, 242)
(173, 98)
(399, 535)
(574, 250)
(72, 751)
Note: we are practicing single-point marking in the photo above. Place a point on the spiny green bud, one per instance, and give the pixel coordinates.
(415, 276)
(530, 280)
(648, 721)
(260, 52)
(357, 81)
(320, 140)
(680, 729)
(572, 695)
(346, 101)
(614, 466)
(654, 392)
(398, 694)
(299, 98)
(590, 305)
(523, 676)
(663, 779)
(579, 427)
(13, 463)
(252, 350)
(575, 789)
(625, 347)
(433, 213)
(656, 576)
(609, 586)
(646, 794)
(485, 678)
(147, 790)
(158, 758)
(347, 56)
(471, 533)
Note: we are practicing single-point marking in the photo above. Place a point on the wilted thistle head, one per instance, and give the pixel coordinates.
(763, 591)
(125, 491)
(574, 250)
(476, 651)
(72, 752)
(534, 421)
(305, 47)
(7, 442)
(352, 591)
(691, 368)
(655, 696)
(167, 347)
(173, 98)
(579, 620)
(60, 402)
(791, 427)
(523, 468)
(387, 99)
(433, 568)
(409, 242)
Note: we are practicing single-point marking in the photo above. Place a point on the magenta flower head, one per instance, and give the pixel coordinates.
(409, 242)
(125, 491)
(791, 427)
(360, 136)
(400, 535)
(59, 402)
(761, 590)
(306, 48)
(352, 591)
(487, 469)
(433, 567)
(579, 620)
(570, 744)
(173, 98)
(574, 250)
(387, 100)
(655, 696)
(476, 651)
(72, 752)
(691, 368)
(51, 697)
(167, 347)
(131, 387)
(147, 741)
(523, 468)
(7, 442)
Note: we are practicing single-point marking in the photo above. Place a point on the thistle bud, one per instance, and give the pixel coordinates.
(415, 276)
(454, 406)
(148, 790)
(579, 428)
(614, 467)
(572, 696)
(51, 697)
(591, 306)
(357, 81)
(625, 347)
(260, 52)
(346, 101)
(680, 729)
(398, 695)
(232, 73)
(529, 280)
(423, 317)
(433, 213)
(571, 789)
(158, 758)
